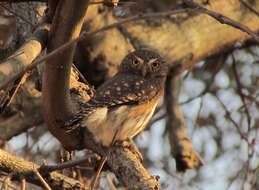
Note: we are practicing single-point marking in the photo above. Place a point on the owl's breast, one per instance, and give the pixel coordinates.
(121, 122)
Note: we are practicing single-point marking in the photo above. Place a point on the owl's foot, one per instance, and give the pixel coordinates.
(130, 145)
(66, 155)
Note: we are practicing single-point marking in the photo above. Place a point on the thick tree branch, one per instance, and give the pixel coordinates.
(184, 34)
(19, 168)
(57, 105)
(199, 35)
(130, 171)
(181, 146)
(52, 5)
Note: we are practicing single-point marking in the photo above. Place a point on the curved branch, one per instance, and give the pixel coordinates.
(57, 105)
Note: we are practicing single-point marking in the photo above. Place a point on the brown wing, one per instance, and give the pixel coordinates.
(122, 89)
(126, 89)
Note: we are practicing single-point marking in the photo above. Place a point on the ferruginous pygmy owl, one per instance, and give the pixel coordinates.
(124, 104)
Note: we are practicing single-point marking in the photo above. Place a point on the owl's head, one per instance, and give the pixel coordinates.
(144, 62)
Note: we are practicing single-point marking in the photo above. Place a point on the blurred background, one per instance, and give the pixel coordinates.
(219, 96)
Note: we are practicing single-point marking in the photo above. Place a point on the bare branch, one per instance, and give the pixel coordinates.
(228, 116)
(24, 56)
(42, 180)
(221, 18)
(181, 147)
(250, 7)
(24, 169)
(239, 90)
(66, 26)
(68, 164)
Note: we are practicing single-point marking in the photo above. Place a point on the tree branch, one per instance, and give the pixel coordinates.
(221, 18)
(130, 170)
(181, 146)
(25, 55)
(206, 28)
(66, 26)
(30, 115)
(19, 168)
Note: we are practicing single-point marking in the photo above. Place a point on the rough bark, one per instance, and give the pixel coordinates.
(20, 168)
(130, 171)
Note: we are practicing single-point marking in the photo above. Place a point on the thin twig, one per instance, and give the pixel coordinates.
(197, 117)
(7, 99)
(42, 180)
(247, 5)
(68, 164)
(228, 115)
(220, 63)
(9, 185)
(102, 162)
(20, 83)
(5, 183)
(240, 92)
(157, 119)
(81, 76)
(23, 184)
(110, 182)
(221, 18)
(12, 56)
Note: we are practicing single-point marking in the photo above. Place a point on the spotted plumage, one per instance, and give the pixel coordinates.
(124, 104)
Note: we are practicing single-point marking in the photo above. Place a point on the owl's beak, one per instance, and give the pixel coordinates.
(143, 71)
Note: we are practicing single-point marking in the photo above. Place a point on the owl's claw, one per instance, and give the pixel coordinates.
(66, 155)
(130, 145)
